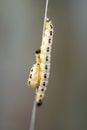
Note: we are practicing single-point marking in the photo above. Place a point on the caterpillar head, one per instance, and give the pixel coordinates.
(39, 97)
(39, 102)
(49, 24)
(37, 53)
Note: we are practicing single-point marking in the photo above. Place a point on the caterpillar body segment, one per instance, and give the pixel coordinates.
(33, 80)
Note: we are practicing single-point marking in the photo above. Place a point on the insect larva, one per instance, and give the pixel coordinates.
(45, 57)
(40, 71)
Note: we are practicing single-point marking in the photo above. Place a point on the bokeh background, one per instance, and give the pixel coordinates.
(65, 103)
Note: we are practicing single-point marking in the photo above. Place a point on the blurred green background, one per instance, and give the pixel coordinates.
(65, 103)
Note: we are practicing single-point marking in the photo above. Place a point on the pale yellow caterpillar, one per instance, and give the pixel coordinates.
(39, 73)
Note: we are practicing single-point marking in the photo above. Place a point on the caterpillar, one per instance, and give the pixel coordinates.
(40, 71)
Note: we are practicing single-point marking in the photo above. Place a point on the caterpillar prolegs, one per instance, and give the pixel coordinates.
(40, 71)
